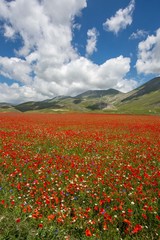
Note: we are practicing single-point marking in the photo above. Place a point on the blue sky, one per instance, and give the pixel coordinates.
(52, 47)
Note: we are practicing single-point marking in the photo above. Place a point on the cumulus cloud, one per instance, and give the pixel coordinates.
(81, 74)
(138, 34)
(91, 41)
(9, 31)
(16, 69)
(121, 19)
(16, 94)
(39, 23)
(47, 64)
(71, 79)
(149, 55)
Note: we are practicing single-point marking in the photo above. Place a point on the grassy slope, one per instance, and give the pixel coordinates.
(147, 104)
(10, 109)
(143, 100)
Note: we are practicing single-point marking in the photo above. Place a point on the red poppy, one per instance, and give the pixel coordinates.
(40, 225)
(88, 233)
(18, 220)
(51, 217)
(137, 228)
(158, 217)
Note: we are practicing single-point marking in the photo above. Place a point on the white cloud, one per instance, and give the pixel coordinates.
(16, 69)
(138, 34)
(126, 85)
(9, 31)
(47, 64)
(81, 74)
(91, 41)
(121, 20)
(46, 23)
(149, 55)
(77, 26)
(72, 78)
(16, 94)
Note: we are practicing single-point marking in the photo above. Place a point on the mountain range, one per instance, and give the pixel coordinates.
(142, 100)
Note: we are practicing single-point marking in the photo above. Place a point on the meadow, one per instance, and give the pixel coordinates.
(79, 176)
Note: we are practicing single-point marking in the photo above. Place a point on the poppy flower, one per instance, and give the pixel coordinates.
(137, 228)
(88, 233)
(18, 220)
(40, 225)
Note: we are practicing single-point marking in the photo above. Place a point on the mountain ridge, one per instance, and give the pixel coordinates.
(144, 99)
(98, 93)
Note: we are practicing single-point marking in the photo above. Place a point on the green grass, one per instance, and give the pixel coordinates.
(146, 104)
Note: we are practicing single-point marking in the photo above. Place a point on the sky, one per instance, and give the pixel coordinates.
(65, 47)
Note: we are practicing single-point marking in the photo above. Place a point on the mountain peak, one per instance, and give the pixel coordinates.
(98, 93)
(144, 99)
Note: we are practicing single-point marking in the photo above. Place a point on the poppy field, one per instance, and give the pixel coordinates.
(79, 176)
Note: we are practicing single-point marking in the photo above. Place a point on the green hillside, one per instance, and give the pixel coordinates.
(146, 104)
(145, 99)
(142, 100)
(6, 107)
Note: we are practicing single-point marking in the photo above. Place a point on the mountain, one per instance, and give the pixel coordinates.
(7, 107)
(30, 106)
(151, 86)
(142, 100)
(97, 93)
(82, 102)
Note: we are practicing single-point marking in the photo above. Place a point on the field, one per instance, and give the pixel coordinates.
(79, 176)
